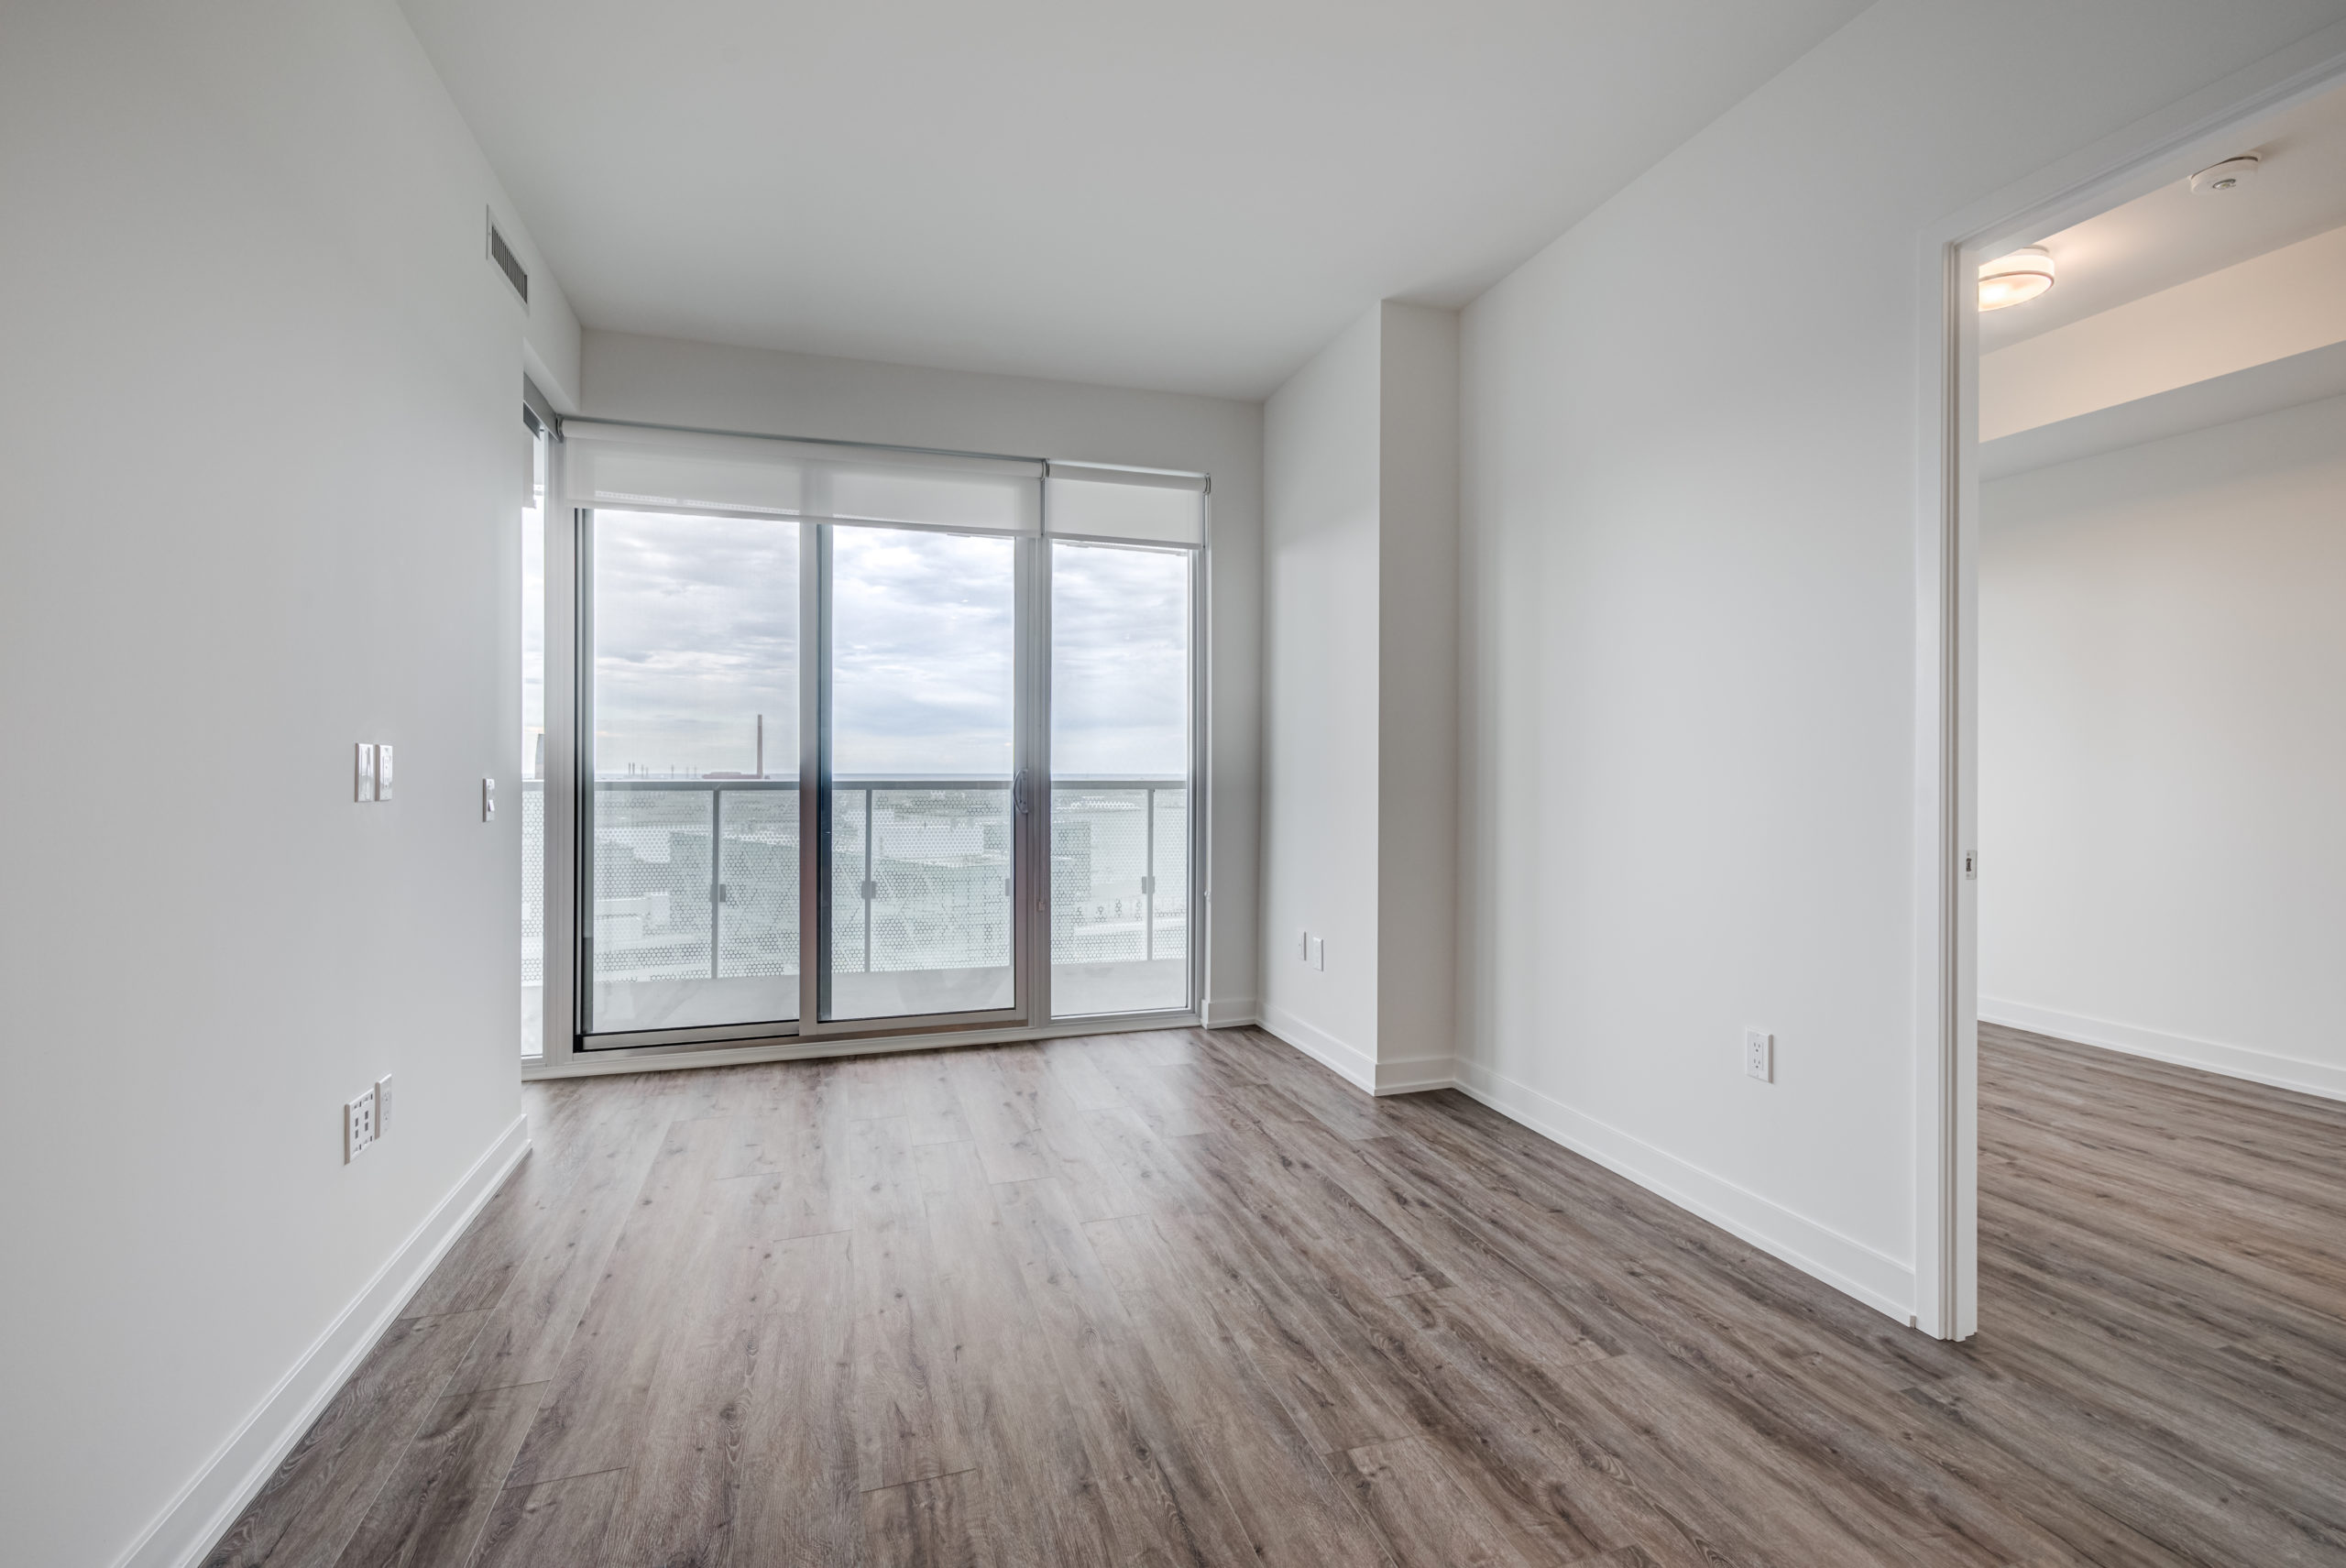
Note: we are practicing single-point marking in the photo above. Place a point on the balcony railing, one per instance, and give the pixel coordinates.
(699, 878)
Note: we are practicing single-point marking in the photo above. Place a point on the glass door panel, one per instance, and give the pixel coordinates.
(532, 761)
(692, 813)
(1119, 768)
(920, 814)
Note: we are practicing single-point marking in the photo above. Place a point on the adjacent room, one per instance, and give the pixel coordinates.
(1501, 783)
(2162, 873)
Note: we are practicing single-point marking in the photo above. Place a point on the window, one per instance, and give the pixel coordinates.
(875, 740)
(530, 768)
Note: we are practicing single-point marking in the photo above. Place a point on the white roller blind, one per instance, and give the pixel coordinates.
(1139, 505)
(623, 467)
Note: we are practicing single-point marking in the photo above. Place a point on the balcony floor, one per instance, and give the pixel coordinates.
(1184, 1299)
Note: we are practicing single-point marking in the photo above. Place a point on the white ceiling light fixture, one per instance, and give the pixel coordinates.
(2229, 175)
(2016, 278)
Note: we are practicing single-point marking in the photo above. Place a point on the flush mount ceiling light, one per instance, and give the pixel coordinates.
(2016, 278)
(2229, 175)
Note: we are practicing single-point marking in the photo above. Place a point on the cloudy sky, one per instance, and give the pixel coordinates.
(696, 631)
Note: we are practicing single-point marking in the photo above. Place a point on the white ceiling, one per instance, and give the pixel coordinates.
(2173, 235)
(1191, 196)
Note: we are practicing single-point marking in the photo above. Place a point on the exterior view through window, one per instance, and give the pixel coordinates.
(696, 771)
(924, 658)
(1120, 776)
(865, 745)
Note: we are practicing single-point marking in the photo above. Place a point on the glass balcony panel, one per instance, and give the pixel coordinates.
(933, 910)
(1169, 898)
(757, 913)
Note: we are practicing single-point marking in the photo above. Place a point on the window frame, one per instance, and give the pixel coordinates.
(569, 876)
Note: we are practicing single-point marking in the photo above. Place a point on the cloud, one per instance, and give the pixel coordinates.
(696, 628)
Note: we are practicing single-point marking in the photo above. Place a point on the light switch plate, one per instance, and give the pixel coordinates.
(489, 800)
(366, 770)
(383, 771)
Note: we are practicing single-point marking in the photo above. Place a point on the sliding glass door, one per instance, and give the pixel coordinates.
(1120, 777)
(864, 748)
(693, 857)
(921, 740)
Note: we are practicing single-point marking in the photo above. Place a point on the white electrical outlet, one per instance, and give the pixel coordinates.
(383, 1106)
(365, 771)
(358, 1127)
(1760, 1055)
(383, 770)
(1319, 952)
(489, 800)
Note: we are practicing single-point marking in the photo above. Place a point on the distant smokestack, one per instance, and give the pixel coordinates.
(761, 745)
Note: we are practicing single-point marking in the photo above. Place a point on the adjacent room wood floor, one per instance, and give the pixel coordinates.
(1185, 1299)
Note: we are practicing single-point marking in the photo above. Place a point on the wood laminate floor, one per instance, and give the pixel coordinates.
(1185, 1299)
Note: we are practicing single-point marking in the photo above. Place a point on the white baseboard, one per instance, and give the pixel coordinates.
(1850, 1267)
(2233, 1061)
(210, 1503)
(1350, 1063)
(1233, 1013)
(1415, 1075)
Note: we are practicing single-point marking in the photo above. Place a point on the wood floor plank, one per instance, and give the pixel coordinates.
(1428, 1519)
(932, 1113)
(474, 1275)
(905, 1419)
(1273, 1478)
(592, 1416)
(799, 1506)
(934, 1523)
(1009, 1144)
(1157, 1502)
(314, 1502)
(1064, 1135)
(558, 1263)
(556, 1524)
(436, 1506)
(681, 1491)
(1078, 1075)
(1181, 1298)
(1011, 1406)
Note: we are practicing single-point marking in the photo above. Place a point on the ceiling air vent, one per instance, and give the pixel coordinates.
(507, 262)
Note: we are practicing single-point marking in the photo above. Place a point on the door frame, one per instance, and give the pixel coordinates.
(2168, 145)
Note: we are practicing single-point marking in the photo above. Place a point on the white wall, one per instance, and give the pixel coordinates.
(2161, 745)
(1320, 439)
(260, 470)
(1417, 733)
(670, 381)
(1360, 697)
(1690, 497)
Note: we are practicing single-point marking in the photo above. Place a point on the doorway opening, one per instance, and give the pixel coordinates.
(2142, 542)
